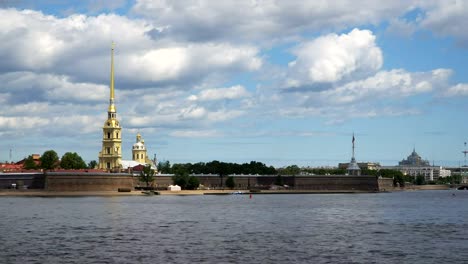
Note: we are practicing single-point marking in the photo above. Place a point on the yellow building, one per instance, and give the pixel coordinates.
(110, 155)
(139, 151)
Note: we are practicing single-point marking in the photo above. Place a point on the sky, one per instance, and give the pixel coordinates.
(280, 82)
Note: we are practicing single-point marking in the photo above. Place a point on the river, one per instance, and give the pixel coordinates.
(399, 227)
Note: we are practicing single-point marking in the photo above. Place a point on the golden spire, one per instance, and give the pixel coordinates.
(111, 101)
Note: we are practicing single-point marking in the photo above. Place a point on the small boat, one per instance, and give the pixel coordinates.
(237, 192)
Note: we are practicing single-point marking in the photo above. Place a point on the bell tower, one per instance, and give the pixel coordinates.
(110, 155)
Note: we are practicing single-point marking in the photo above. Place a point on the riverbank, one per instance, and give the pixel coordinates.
(43, 193)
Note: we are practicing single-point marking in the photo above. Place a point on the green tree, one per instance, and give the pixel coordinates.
(164, 167)
(230, 183)
(92, 164)
(147, 175)
(192, 183)
(291, 170)
(72, 161)
(49, 160)
(181, 176)
(29, 163)
(420, 180)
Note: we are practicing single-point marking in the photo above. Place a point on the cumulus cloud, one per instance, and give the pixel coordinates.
(34, 87)
(447, 18)
(332, 57)
(195, 133)
(385, 85)
(78, 46)
(266, 20)
(460, 89)
(234, 92)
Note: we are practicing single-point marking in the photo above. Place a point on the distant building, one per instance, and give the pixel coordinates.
(430, 173)
(10, 167)
(415, 166)
(362, 165)
(414, 160)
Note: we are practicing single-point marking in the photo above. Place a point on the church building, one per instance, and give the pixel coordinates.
(110, 156)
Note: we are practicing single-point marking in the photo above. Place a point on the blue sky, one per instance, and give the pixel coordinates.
(281, 82)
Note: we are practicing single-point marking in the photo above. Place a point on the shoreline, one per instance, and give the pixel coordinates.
(44, 193)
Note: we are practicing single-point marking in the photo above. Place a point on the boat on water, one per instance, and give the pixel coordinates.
(237, 192)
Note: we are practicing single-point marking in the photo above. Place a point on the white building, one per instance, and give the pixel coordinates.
(430, 173)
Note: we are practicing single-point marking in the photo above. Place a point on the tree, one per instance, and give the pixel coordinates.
(92, 164)
(29, 163)
(291, 170)
(420, 180)
(147, 175)
(192, 183)
(49, 160)
(230, 183)
(72, 161)
(164, 167)
(181, 176)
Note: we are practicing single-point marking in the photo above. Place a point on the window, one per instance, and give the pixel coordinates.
(117, 135)
(108, 135)
(108, 165)
(108, 151)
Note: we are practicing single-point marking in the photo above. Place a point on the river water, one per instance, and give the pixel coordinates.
(400, 227)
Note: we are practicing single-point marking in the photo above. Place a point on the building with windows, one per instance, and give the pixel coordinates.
(110, 156)
(414, 160)
(362, 165)
(415, 166)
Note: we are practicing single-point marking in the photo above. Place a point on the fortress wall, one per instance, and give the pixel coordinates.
(313, 182)
(332, 182)
(28, 180)
(386, 184)
(58, 181)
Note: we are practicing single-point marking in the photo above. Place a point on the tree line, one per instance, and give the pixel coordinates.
(217, 167)
(50, 160)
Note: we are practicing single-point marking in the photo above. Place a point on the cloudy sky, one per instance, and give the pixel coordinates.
(281, 82)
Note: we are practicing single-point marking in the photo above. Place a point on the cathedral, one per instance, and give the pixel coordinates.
(110, 156)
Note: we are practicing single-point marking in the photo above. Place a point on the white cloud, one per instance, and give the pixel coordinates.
(79, 46)
(447, 18)
(195, 133)
(401, 27)
(460, 89)
(234, 92)
(332, 57)
(264, 21)
(49, 87)
(188, 61)
(384, 85)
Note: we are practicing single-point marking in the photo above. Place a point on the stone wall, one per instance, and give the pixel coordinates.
(26, 180)
(314, 182)
(386, 184)
(82, 181)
